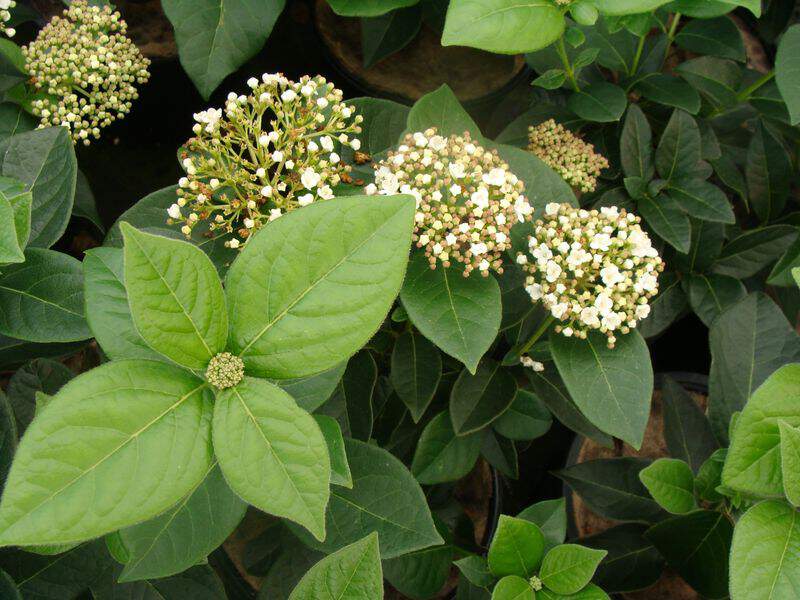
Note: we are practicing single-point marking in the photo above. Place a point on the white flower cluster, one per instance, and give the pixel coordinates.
(5, 17)
(593, 270)
(467, 198)
(86, 70)
(266, 153)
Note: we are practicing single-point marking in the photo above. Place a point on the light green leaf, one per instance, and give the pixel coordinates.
(678, 150)
(502, 26)
(551, 517)
(107, 310)
(526, 419)
(147, 420)
(442, 110)
(184, 535)
(340, 469)
(443, 456)
(476, 570)
(15, 220)
(787, 71)
(385, 498)
(513, 587)
(461, 315)
(790, 461)
(176, 298)
(568, 568)
(590, 592)
(44, 160)
(671, 483)
(517, 548)
(627, 7)
(416, 369)
(612, 387)
(41, 300)
(8, 436)
(312, 287)
(367, 8)
(273, 453)
(216, 37)
(352, 573)
(600, 102)
(765, 557)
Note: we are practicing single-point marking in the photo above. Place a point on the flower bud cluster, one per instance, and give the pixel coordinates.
(467, 198)
(5, 17)
(225, 370)
(267, 153)
(567, 154)
(86, 70)
(593, 270)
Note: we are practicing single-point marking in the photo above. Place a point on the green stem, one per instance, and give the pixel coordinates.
(562, 52)
(676, 19)
(638, 57)
(745, 94)
(544, 326)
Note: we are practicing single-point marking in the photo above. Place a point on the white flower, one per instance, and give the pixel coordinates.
(266, 191)
(233, 243)
(334, 158)
(553, 271)
(327, 143)
(310, 178)
(496, 177)
(274, 213)
(480, 197)
(174, 211)
(263, 140)
(642, 311)
(252, 82)
(322, 102)
(288, 95)
(325, 192)
(457, 170)
(534, 290)
(277, 156)
(552, 208)
(604, 304)
(249, 223)
(355, 144)
(478, 248)
(371, 189)
(601, 241)
(559, 309)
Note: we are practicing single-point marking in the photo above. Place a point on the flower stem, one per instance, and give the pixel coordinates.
(543, 327)
(638, 57)
(562, 52)
(745, 94)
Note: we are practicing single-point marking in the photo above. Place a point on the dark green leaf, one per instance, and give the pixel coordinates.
(686, 429)
(747, 254)
(768, 173)
(526, 419)
(702, 200)
(599, 102)
(710, 295)
(717, 79)
(632, 563)
(678, 150)
(477, 400)
(443, 456)
(39, 375)
(416, 371)
(715, 37)
(384, 35)
(665, 216)
(636, 150)
(787, 71)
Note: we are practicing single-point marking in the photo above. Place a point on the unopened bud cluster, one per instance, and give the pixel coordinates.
(593, 270)
(268, 152)
(5, 17)
(567, 154)
(225, 370)
(86, 69)
(467, 198)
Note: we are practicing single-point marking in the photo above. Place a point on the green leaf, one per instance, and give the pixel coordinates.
(216, 37)
(781, 274)
(764, 557)
(512, 587)
(500, 453)
(461, 315)
(44, 160)
(551, 517)
(707, 240)
(767, 171)
(184, 535)
(715, 37)
(107, 310)
(8, 589)
(39, 375)
(687, 431)
(85, 205)
(787, 71)
(443, 456)
(340, 469)
(600, 102)
(590, 592)
(367, 8)
(551, 79)
(611, 488)
(678, 149)
(612, 387)
(476, 570)
(636, 145)
(416, 369)
(665, 216)
(702, 200)
(351, 403)
(384, 35)
(12, 65)
(697, 547)
(632, 563)
(627, 7)
(666, 307)
(8, 437)
(441, 109)
(710, 295)
(790, 461)
(669, 91)
(747, 254)
(568, 568)
(14, 120)
(315, 390)
(176, 299)
(670, 482)
(502, 26)
(198, 583)
(730, 175)
(753, 463)
(477, 400)
(517, 548)
(526, 419)
(352, 573)
(41, 300)
(312, 287)
(717, 79)
(709, 477)
(148, 420)
(420, 574)
(384, 123)
(15, 220)
(749, 341)
(385, 498)
(273, 453)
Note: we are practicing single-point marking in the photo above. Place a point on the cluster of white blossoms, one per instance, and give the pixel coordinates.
(593, 270)
(266, 153)
(86, 70)
(5, 17)
(567, 154)
(467, 198)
